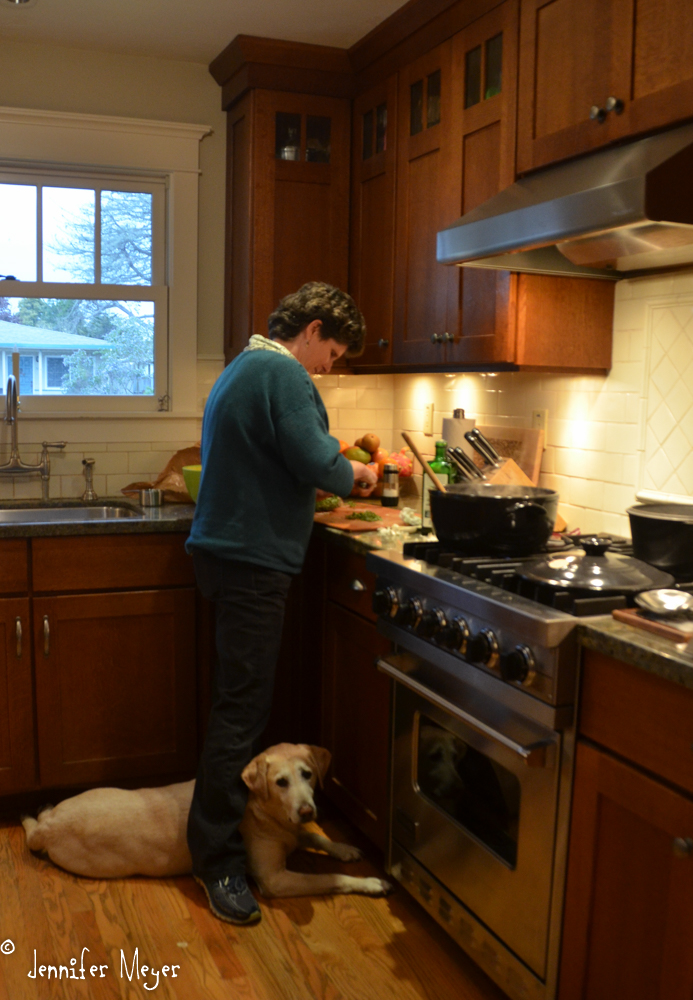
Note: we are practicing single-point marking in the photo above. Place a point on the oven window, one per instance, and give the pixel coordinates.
(475, 791)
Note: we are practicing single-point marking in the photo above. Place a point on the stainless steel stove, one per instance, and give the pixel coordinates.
(482, 747)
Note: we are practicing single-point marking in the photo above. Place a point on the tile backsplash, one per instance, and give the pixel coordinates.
(607, 437)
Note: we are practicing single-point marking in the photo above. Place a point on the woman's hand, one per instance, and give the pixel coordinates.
(363, 474)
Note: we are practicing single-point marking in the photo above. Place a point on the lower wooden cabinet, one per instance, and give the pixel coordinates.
(115, 685)
(355, 717)
(628, 923)
(17, 755)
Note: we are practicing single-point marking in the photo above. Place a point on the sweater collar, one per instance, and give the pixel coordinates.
(259, 343)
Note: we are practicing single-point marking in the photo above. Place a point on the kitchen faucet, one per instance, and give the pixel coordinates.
(15, 466)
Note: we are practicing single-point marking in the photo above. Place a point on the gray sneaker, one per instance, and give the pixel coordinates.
(230, 899)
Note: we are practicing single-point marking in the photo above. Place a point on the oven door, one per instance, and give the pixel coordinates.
(474, 800)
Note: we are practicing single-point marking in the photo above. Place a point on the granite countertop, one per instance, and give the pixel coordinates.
(642, 649)
(146, 520)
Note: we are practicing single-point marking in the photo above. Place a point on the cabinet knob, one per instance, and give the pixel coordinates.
(682, 847)
(436, 338)
(448, 338)
(383, 343)
(357, 586)
(18, 635)
(597, 114)
(614, 104)
(46, 636)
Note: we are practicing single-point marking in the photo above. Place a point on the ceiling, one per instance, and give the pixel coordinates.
(193, 30)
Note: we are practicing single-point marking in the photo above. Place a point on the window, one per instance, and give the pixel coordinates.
(74, 180)
(87, 258)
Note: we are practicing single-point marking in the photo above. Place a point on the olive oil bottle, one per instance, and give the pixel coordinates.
(445, 473)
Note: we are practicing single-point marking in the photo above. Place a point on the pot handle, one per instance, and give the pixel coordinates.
(521, 505)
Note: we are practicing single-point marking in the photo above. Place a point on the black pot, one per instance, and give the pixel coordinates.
(485, 519)
(663, 536)
(595, 570)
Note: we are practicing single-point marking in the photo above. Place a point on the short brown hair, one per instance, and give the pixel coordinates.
(340, 316)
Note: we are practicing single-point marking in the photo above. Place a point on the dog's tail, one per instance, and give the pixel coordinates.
(34, 833)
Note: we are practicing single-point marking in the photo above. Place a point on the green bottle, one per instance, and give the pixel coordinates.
(445, 472)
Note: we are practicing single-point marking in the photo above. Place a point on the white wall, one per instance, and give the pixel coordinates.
(607, 435)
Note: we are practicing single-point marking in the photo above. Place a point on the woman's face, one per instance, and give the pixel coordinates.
(316, 355)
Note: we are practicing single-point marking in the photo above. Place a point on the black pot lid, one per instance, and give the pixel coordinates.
(596, 569)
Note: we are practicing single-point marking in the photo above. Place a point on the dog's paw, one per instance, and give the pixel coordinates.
(377, 887)
(345, 852)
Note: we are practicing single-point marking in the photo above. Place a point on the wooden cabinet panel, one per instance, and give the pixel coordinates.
(573, 55)
(356, 699)
(426, 202)
(372, 231)
(350, 583)
(288, 188)
(14, 566)
(641, 717)
(484, 69)
(629, 896)
(17, 754)
(115, 685)
(105, 562)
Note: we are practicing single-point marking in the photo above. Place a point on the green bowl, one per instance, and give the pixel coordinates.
(191, 475)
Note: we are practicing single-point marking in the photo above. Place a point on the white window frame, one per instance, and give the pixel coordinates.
(73, 148)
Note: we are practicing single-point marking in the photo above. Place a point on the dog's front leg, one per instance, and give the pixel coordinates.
(286, 883)
(342, 852)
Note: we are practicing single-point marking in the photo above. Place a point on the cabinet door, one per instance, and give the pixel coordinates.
(628, 922)
(426, 202)
(301, 190)
(356, 714)
(484, 73)
(17, 759)
(115, 685)
(372, 254)
(658, 76)
(574, 54)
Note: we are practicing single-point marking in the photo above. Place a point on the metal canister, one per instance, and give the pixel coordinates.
(390, 497)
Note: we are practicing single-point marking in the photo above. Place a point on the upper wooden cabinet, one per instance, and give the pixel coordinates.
(426, 201)
(372, 233)
(592, 71)
(287, 203)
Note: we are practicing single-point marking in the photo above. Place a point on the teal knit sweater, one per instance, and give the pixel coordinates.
(265, 448)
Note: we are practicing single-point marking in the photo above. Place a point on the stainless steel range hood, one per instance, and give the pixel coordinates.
(626, 210)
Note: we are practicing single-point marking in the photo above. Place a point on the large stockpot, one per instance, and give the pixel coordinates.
(495, 519)
(663, 536)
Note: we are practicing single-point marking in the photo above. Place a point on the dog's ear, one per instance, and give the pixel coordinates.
(255, 776)
(320, 758)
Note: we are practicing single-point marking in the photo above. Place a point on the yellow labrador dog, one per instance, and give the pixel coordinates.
(114, 832)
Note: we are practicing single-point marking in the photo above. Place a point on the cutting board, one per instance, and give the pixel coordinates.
(338, 518)
(681, 632)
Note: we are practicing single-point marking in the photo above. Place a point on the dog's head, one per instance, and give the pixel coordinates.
(283, 778)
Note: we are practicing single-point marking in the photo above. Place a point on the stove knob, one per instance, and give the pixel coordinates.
(431, 623)
(385, 601)
(518, 665)
(454, 635)
(483, 648)
(409, 613)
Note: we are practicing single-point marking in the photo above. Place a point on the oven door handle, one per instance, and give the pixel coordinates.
(534, 754)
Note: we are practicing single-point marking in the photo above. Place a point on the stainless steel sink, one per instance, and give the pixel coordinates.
(42, 514)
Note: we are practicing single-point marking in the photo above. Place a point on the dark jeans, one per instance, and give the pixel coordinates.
(249, 602)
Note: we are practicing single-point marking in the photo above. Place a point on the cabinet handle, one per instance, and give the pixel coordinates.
(435, 338)
(597, 114)
(682, 847)
(357, 586)
(448, 338)
(383, 343)
(18, 634)
(46, 636)
(615, 104)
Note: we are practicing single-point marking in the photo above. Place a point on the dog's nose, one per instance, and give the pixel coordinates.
(306, 813)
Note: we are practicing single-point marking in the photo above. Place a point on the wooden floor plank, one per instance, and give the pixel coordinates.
(311, 948)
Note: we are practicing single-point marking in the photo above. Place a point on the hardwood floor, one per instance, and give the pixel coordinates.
(317, 948)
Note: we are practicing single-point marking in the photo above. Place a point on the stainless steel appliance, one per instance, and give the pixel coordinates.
(482, 749)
